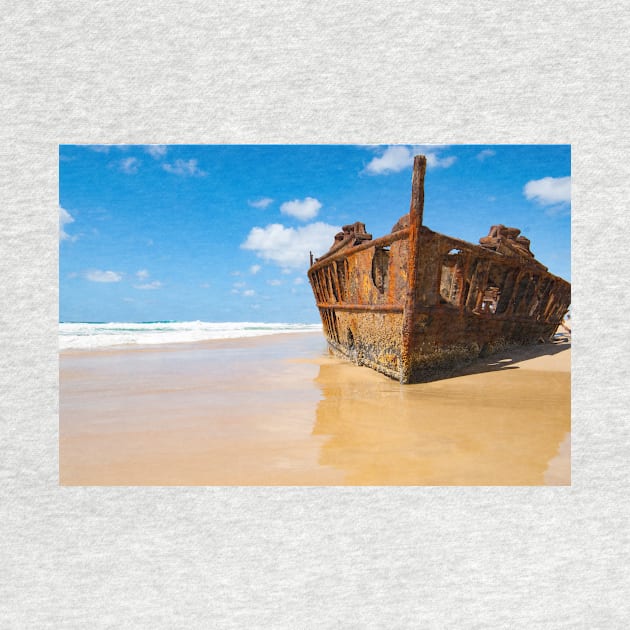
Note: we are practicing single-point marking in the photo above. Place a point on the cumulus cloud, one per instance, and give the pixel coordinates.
(274, 283)
(149, 286)
(64, 218)
(298, 281)
(95, 275)
(304, 209)
(263, 203)
(254, 269)
(142, 274)
(486, 153)
(156, 151)
(289, 247)
(184, 168)
(549, 191)
(129, 165)
(396, 158)
(249, 293)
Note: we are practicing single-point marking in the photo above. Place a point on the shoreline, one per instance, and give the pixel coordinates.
(279, 410)
(177, 345)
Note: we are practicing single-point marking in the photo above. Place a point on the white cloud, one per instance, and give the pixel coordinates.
(549, 191)
(396, 158)
(261, 203)
(304, 210)
(431, 153)
(184, 168)
(94, 275)
(156, 151)
(298, 281)
(433, 161)
(239, 285)
(156, 284)
(255, 269)
(249, 293)
(64, 218)
(486, 153)
(129, 165)
(289, 247)
(274, 283)
(205, 285)
(142, 274)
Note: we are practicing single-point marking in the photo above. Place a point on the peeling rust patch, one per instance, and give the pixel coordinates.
(417, 305)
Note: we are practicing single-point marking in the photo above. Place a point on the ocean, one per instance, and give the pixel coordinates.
(83, 335)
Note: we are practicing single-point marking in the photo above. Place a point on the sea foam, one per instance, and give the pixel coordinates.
(82, 335)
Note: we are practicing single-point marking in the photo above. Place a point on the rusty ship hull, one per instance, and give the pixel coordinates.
(417, 305)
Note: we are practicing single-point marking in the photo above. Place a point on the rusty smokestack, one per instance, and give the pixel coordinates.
(416, 209)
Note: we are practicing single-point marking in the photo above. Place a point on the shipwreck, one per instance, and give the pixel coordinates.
(417, 305)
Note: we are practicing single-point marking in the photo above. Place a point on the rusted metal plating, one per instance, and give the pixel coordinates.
(416, 305)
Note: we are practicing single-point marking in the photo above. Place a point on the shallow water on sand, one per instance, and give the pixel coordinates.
(281, 411)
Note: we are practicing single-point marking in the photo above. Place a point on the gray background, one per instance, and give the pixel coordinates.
(303, 72)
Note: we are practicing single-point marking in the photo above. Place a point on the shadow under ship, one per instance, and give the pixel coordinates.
(416, 305)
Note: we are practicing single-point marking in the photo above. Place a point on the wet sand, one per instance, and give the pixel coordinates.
(279, 410)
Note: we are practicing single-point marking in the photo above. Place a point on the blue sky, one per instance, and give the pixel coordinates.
(223, 232)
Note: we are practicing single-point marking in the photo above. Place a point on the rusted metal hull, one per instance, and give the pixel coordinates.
(417, 305)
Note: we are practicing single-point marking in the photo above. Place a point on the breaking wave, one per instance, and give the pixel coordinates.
(82, 335)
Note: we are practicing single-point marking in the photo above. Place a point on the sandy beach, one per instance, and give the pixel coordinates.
(279, 410)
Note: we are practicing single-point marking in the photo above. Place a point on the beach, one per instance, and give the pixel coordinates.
(280, 410)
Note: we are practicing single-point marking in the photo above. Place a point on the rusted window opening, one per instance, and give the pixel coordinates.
(326, 285)
(551, 299)
(329, 320)
(540, 298)
(342, 274)
(520, 294)
(529, 301)
(331, 283)
(335, 328)
(325, 322)
(468, 273)
(491, 290)
(507, 286)
(474, 281)
(380, 268)
(321, 295)
(532, 299)
(481, 283)
(490, 300)
(514, 290)
(450, 282)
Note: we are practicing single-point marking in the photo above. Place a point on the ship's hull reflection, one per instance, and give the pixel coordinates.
(496, 428)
